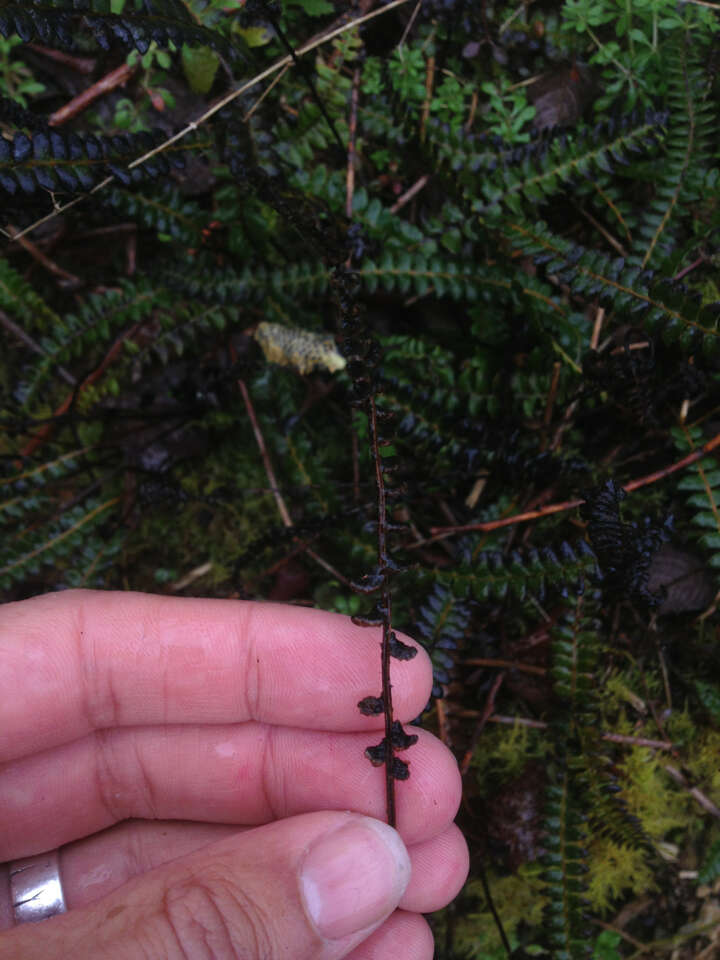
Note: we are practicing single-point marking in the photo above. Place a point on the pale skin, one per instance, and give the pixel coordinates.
(185, 754)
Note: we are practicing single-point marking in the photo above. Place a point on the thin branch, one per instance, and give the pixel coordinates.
(350, 176)
(35, 347)
(409, 194)
(215, 108)
(111, 81)
(279, 502)
(272, 480)
(506, 665)
(482, 721)
(410, 23)
(695, 792)
(79, 64)
(67, 280)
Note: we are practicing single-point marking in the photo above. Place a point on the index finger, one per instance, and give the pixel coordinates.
(84, 660)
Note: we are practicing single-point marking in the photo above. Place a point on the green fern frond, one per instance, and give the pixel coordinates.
(20, 301)
(88, 334)
(563, 869)
(546, 166)
(441, 622)
(30, 550)
(678, 314)
(701, 485)
(687, 146)
(165, 211)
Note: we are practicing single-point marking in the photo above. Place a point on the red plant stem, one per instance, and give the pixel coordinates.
(387, 618)
(439, 533)
(68, 280)
(116, 78)
(45, 432)
(79, 64)
(350, 176)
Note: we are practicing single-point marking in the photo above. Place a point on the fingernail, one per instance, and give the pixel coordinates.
(354, 877)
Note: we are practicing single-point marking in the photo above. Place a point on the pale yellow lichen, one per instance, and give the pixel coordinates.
(302, 349)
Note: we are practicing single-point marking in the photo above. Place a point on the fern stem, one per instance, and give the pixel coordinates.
(386, 603)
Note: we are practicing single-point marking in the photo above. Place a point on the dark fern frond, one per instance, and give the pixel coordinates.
(73, 163)
(624, 550)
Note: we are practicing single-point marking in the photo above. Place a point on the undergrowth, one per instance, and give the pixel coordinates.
(467, 249)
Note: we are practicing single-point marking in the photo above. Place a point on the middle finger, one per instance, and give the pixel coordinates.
(248, 774)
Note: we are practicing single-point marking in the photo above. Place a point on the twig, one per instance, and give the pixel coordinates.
(429, 81)
(409, 194)
(439, 533)
(191, 576)
(308, 76)
(272, 480)
(68, 280)
(279, 502)
(265, 92)
(597, 327)
(79, 64)
(506, 664)
(542, 725)
(480, 725)
(42, 435)
(35, 347)
(694, 792)
(410, 23)
(615, 244)
(216, 108)
(443, 732)
(111, 81)
(685, 270)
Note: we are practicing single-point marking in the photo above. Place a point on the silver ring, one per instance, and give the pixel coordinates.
(35, 888)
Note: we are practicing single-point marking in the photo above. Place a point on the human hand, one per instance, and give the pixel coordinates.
(198, 762)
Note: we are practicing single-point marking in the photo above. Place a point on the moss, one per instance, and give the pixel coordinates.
(616, 870)
(504, 751)
(519, 901)
(650, 794)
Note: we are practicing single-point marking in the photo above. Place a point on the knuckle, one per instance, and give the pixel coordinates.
(209, 918)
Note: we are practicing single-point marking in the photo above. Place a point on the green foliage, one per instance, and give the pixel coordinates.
(533, 310)
(162, 23)
(701, 489)
(16, 79)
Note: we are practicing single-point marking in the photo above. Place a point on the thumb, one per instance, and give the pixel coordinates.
(312, 887)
